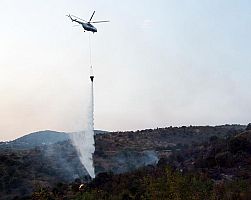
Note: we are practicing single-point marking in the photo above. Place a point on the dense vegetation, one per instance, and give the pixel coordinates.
(218, 169)
(151, 183)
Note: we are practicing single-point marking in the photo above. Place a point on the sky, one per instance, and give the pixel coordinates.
(156, 64)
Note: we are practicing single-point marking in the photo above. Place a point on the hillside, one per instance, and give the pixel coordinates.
(161, 142)
(39, 138)
(222, 172)
(119, 152)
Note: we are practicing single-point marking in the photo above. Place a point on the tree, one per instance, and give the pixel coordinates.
(248, 128)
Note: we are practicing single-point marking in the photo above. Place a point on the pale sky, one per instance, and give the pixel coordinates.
(156, 64)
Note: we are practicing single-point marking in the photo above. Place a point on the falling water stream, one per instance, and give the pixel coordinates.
(84, 140)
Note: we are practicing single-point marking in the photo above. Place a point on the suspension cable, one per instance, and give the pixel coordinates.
(90, 49)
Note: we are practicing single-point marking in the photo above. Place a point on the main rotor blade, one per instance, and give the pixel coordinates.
(100, 21)
(92, 16)
(78, 18)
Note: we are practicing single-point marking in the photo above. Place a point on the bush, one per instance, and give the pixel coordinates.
(239, 144)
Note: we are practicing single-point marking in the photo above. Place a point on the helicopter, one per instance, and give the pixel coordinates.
(87, 25)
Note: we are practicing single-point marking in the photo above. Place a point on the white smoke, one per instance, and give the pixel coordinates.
(84, 140)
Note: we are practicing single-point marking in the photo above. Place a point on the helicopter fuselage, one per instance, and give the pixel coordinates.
(89, 27)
